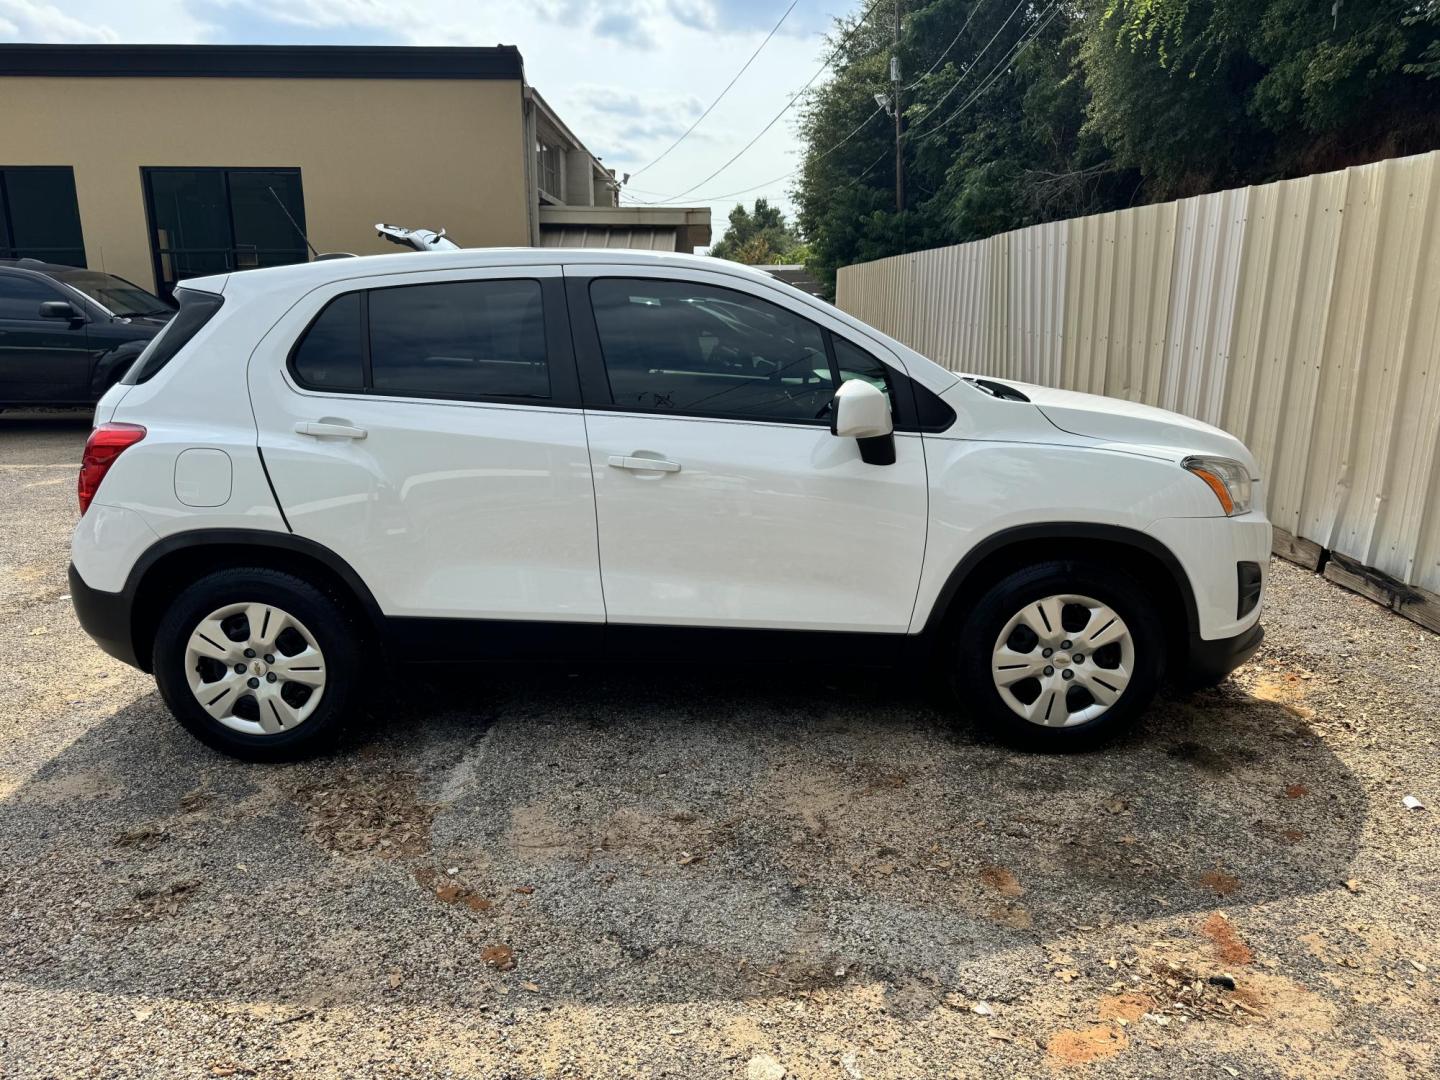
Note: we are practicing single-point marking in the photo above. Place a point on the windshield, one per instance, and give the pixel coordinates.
(115, 295)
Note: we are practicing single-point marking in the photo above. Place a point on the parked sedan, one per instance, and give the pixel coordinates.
(68, 334)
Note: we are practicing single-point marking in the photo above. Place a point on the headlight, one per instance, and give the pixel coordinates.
(1229, 480)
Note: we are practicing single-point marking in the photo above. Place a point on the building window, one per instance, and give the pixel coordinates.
(212, 221)
(39, 215)
(551, 161)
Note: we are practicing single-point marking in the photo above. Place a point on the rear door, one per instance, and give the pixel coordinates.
(426, 428)
(41, 360)
(723, 499)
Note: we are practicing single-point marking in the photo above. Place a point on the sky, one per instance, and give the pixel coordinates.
(627, 76)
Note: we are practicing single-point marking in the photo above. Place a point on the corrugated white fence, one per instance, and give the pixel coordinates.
(1302, 316)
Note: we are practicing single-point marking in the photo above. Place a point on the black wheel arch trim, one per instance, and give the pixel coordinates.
(1070, 530)
(264, 538)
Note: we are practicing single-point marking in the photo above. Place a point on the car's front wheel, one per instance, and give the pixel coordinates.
(1059, 655)
(258, 663)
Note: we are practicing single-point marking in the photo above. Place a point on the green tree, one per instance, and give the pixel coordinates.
(1021, 114)
(757, 236)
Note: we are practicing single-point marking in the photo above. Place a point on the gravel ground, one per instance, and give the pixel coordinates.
(679, 874)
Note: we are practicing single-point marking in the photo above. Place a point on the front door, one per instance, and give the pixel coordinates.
(722, 498)
(41, 360)
(426, 428)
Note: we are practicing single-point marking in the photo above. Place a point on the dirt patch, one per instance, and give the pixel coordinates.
(1001, 880)
(1085, 1045)
(1219, 882)
(1228, 946)
(1127, 1007)
(500, 957)
(1011, 915)
(368, 814)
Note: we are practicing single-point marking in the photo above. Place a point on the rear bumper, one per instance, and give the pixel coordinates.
(105, 616)
(1211, 661)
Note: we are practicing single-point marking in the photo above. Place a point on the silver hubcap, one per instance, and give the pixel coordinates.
(1063, 660)
(255, 668)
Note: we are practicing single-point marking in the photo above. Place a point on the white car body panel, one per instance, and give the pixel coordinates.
(451, 509)
(775, 526)
(444, 508)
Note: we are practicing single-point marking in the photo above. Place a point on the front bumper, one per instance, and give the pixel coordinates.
(1211, 661)
(105, 616)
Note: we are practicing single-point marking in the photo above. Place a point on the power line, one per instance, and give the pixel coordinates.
(976, 60)
(835, 55)
(768, 183)
(722, 93)
(974, 10)
(1023, 42)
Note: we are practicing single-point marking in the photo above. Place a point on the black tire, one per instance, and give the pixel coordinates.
(968, 653)
(337, 634)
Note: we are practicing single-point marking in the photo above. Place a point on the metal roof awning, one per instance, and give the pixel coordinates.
(643, 228)
(605, 236)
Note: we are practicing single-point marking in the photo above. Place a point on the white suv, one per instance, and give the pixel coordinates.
(583, 455)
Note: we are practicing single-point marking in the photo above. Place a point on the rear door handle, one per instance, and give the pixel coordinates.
(335, 431)
(642, 464)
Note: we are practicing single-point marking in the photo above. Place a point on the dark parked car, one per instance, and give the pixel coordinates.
(67, 334)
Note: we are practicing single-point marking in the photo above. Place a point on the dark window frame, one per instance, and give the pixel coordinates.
(147, 196)
(595, 380)
(559, 357)
(9, 249)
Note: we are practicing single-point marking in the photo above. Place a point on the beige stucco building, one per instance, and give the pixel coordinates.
(159, 163)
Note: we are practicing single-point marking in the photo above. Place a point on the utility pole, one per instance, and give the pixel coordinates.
(899, 115)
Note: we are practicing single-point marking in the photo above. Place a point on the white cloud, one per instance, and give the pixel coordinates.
(45, 24)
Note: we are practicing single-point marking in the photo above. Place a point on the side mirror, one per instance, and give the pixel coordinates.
(861, 411)
(60, 309)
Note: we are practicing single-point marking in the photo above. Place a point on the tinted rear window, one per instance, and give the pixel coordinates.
(331, 356)
(196, 309)
(465, 339)
(471, 340)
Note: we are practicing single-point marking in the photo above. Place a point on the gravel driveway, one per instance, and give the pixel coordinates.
(670, 873)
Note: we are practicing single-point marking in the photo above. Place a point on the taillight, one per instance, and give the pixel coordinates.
(106, 443)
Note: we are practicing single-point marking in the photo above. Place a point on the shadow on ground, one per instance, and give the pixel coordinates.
(657, 835)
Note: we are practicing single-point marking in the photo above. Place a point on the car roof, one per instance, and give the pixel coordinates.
(332, 268)
(35, 265)
(310, 275)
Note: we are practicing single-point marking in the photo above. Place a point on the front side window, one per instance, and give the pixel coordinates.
(686, 348)
(473, 340)
(21, 296)
(854, 362)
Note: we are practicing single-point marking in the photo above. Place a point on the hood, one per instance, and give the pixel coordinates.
(152, 323)
(1115, 420)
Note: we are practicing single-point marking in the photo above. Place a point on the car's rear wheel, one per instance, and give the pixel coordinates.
(259, 663)
(1060, 655)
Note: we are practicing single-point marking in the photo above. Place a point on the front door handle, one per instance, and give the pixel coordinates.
(323, 430)
(642, 464)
